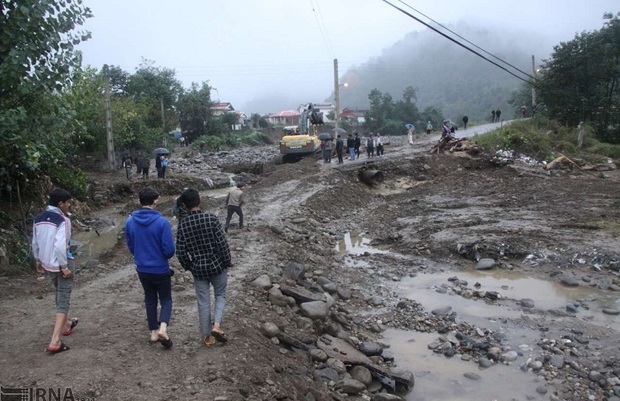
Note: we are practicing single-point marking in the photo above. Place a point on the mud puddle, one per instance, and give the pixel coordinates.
(438, 378)
(355, 243)
(430, 291)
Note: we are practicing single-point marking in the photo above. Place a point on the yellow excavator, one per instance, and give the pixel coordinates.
(302, 140)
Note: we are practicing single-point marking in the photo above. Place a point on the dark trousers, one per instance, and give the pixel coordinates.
(339, 154)
(145, 172)
(370, 151)
(157, 286)
(379, 150)
(231, 211)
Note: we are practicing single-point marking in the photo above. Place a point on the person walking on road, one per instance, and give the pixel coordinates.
(492, 116)
(465, 121)
(202, 249)
(498, 113)
(51, 236)
(149, 238)
(234, 201)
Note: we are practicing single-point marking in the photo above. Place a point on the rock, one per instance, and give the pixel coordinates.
(178, 288)
(330, 287)
(326, 375)
(263, 282)
(472, 376)
(270, 329)
(301, 295)
(526, 303)
(315, 310)
(570, 308)
(318, 355)
(361, 374)
(557, 361)
(351, 386)
(442, 311)
(386, 397)
(370, 348)
(337, 365)
(294, 271)
(277, 298)
(569, 281)
(509, 356)
(485, 264)
(343, 293)
(541, 390)
(485, 363)
(611, 311)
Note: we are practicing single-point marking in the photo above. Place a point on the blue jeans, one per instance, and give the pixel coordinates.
(352, 153)
(157, 285)
(203, 297)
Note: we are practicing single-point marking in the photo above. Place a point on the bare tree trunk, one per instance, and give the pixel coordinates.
(582, 135)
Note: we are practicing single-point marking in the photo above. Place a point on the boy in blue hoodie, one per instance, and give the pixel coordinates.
(149, 239)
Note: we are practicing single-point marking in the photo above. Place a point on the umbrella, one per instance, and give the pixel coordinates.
(325, 136)
(409, 126)
(339, 130)
(161, 151)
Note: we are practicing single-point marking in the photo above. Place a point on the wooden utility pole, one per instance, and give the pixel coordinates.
(108, 119)
(164, 142)
(533, 87)
(336, 92)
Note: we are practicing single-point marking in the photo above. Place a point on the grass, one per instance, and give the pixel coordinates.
(544, 140)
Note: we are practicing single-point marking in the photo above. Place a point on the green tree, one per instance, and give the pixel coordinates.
(194, 109)
(37, 53)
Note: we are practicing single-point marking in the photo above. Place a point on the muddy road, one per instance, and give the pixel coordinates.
(483, 282)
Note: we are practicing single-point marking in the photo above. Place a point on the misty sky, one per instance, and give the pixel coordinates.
(251, 50)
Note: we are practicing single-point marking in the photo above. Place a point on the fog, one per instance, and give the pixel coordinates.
(271, 55)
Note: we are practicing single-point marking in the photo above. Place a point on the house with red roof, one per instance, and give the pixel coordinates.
(286, 117)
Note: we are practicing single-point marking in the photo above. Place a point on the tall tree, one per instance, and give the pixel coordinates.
(194, 108)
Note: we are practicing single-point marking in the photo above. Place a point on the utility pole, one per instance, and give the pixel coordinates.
(163, 122)
(533, 87)
(108, 119)
(336, 92)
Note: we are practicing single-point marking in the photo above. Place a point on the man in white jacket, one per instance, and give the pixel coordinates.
(51, 234)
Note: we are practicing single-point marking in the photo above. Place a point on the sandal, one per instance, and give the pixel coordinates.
(219, 336)
(208, 341)
(74, 322)
(62, 347)
(166, 342)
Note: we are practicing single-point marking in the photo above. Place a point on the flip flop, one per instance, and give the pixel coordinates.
(219, 336)
(74, 322)
(209, 341)
(166, 342)
(61, 348)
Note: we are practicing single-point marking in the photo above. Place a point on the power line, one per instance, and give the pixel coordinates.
(322, 29)
(466, 40)
(459, 43)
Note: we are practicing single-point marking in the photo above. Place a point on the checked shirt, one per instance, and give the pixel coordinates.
(202, 247)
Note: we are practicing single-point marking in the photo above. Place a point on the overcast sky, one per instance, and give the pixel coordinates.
(254, 49)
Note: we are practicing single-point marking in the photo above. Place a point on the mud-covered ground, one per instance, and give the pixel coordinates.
(432, 216)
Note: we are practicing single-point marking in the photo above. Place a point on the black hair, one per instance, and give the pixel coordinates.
(148, 196)
(190, 198)
(58, 195)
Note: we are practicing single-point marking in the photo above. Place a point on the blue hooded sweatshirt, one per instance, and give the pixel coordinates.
(149, 239)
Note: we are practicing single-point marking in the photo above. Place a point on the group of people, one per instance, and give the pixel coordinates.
(201, 248)
(496, 115)
(143, 165)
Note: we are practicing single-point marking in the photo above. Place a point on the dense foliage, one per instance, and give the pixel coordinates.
(580, 82)
(388, 116)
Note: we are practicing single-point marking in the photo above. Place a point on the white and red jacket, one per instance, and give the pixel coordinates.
(51, 234)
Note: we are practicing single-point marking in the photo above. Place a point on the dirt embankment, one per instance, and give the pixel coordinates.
(431, 216)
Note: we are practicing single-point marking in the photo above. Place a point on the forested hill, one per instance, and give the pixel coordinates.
(446, 75)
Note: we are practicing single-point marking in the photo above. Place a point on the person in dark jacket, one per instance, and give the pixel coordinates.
(149, 238)
(351, 147)
(358, 143)
(202, 249)
(339, 148)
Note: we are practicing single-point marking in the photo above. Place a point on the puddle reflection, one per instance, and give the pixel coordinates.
(438, 378)
(355, 243)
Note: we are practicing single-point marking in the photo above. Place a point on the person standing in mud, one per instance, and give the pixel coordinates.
(202, 249)
(234, 201)
(164, 166)
(339, 148)
(351, 147)
(158, 165)
(149, 238)
(51, 235)
(358, 143)
(146, 165)
(370, 146)
(429, 127)
(127, 164)
(379, 144)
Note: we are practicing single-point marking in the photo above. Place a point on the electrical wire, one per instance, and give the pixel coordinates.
(460, 44)
(466, 40)
(322, 28)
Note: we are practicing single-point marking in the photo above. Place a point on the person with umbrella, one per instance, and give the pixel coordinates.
(326, 147)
